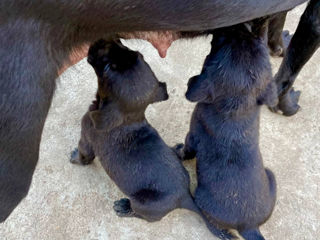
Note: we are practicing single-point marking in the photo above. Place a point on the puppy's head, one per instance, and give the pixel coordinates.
(125, 81)
(236, 75)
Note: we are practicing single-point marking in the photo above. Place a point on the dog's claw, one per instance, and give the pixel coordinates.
(122, 208)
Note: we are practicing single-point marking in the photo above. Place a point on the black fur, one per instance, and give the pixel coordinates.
(36, 40)
(130, 150)
(234, 189)
(300, 50)
(275, 35)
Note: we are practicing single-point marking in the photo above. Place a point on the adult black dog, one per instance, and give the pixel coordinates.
(234, 189)
(36, 41)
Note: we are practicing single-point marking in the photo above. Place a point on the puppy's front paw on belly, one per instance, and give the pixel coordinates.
(122, 208)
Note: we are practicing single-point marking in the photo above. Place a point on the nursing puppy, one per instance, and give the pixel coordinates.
(234, 189)
(130, 150)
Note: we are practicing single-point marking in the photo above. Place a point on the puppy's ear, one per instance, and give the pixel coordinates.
(198, 88)
(107, 118)
(269, 96)
(161, 93)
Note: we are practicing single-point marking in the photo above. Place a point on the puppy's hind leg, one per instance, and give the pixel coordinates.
(186, 151)
(188, 203)
(82, 155)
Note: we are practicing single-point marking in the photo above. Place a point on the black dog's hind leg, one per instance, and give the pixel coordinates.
(186, 151)
(304, 43)
(275, 35)
(84, 154)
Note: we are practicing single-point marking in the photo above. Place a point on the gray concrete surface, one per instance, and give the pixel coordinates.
(74, 202)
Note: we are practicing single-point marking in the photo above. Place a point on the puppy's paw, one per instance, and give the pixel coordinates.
(77, 158)
(122, 208)
(178, 149)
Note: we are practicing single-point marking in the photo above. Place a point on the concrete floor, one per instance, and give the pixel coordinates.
(74, 202)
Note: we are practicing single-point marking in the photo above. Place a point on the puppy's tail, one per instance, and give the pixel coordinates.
(189, 204)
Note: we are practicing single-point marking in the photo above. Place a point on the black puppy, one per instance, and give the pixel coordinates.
(234, 189)
(130, 150)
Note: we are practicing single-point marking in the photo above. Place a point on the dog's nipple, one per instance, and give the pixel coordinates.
(162, 48)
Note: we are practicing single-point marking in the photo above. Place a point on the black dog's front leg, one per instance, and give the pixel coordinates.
(304, 43)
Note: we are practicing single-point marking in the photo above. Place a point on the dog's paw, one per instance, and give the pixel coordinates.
(74, 158)
(289, 104)
(122, 208)
(178, 149)
(77, 158)
(277, 51)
